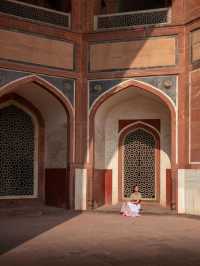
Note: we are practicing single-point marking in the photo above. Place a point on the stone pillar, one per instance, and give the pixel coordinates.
(184, 102)
(97, 7)
(181, 191)
(189, 190)
(76, 15)
(182, 111)
(93, 8)
(83, 12)
(82, 22)
(81, 111)
(80, 189)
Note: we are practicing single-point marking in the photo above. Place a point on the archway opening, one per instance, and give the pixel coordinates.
(122, 109)
(52, 145)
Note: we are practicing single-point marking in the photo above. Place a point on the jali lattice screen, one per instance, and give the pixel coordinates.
(16, 152)
(139, 163)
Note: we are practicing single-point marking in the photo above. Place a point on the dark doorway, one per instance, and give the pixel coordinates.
(127, 5)
(56, 188)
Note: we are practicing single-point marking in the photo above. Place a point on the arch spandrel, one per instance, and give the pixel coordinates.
(165, 84)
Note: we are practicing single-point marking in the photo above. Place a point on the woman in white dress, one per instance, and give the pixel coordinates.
(132, 207)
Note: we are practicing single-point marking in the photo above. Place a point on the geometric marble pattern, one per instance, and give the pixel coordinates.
(16, 152)
(139, 163)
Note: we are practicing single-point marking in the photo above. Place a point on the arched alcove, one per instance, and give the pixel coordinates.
(126, 103)
(57, 186)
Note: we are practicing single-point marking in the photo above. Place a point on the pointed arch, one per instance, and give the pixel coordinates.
(141, 124)
(156, 135)
(134, 84)
(11, 87)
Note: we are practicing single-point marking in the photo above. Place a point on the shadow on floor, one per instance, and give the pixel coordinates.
(20, 225)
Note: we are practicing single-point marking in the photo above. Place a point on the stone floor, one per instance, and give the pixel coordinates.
(64, 238)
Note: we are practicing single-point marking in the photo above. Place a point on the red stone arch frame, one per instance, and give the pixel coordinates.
(12, 86)
(147, 88)
(151, 130)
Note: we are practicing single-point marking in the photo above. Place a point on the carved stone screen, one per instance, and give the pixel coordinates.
(16, 152)
(139, 163)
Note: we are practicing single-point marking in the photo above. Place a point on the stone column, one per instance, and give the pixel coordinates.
(83, 12)
(82, 22)
(80, 189)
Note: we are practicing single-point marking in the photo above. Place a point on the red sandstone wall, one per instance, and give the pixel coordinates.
(193, 61)
(192, 9)
(102, 189)
(53, 57)
(194, 118)
(149, 52)
(195, 45)
(36, 50)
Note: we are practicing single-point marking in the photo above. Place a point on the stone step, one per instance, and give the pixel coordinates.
(151, 209)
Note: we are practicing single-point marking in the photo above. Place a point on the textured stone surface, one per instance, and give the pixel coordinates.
(98, 87)
(148, 52)
(189, 191)
(194, 116)
(80, 189)
(32, 49)
(66, 86)
(7, 76)
(195, 40)
(130, 105)
(99, 239)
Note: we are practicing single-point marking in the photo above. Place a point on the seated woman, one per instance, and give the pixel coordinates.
(132, 207)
